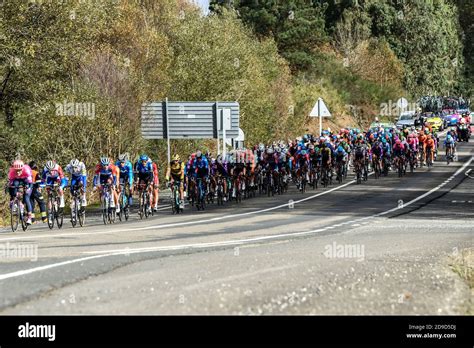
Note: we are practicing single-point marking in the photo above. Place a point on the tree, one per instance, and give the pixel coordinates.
(296, 25)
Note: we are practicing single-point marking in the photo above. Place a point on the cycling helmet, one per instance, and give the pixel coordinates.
(311, 146)
(219, 159)
(144, 158)
(74, 162)
(340, 148)
(270, 151)
(261, 147)
(122, 157)
(18, 165)
(303, 152)
(105, 161)
(427, 131)
(176, 157)
(278, 150)
(50, 165)
(198, 154)
(449, 137)
(398, 142)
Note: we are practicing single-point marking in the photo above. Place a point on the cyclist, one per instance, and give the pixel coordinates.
(53, 173)
(78, 172)
(36, 194)
(145, 175)
(20, 175)
(200, 170)
(398, 152)
(302, 165)
(360, 153)
(412, 147)
(175, 171)
(377, 151)
(430, 145)
(250, 165)
(450, 144)
(340, 157)
(126, 174)
(106, 173)
(221, 168)
(188, 175)
(326, 160)
(237, 170)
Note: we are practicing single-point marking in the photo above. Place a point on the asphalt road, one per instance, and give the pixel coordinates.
(382, 247)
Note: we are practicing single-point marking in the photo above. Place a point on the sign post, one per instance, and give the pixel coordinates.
(218, 144)
(320, 110)
(167, 137)
(226, 125)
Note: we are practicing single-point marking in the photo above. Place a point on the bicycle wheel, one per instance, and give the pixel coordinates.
(23, 218)
(112, 215)
(82, 216)
(14, 216)
(121, 203)
(105, 208)
(203, 199)
(174, 207)
(74, 212)
(146, 204)
(59, 213)
(140, 205)
(51, 212)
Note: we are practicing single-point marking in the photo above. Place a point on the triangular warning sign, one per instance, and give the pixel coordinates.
(318, 108)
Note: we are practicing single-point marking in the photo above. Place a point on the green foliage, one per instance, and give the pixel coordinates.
(296, 25)
(425, 36)
(211, 64)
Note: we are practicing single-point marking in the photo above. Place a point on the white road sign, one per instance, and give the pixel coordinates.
(320, 109)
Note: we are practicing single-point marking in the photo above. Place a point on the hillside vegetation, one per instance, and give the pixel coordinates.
(59, 58)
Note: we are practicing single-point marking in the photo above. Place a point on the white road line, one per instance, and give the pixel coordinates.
(467, 174)
(42, 268)
(128, 251)
(429, 192)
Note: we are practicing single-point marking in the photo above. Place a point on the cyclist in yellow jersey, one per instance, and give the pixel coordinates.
(176, 171)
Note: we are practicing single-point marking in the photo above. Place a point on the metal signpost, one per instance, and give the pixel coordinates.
(320, 110)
